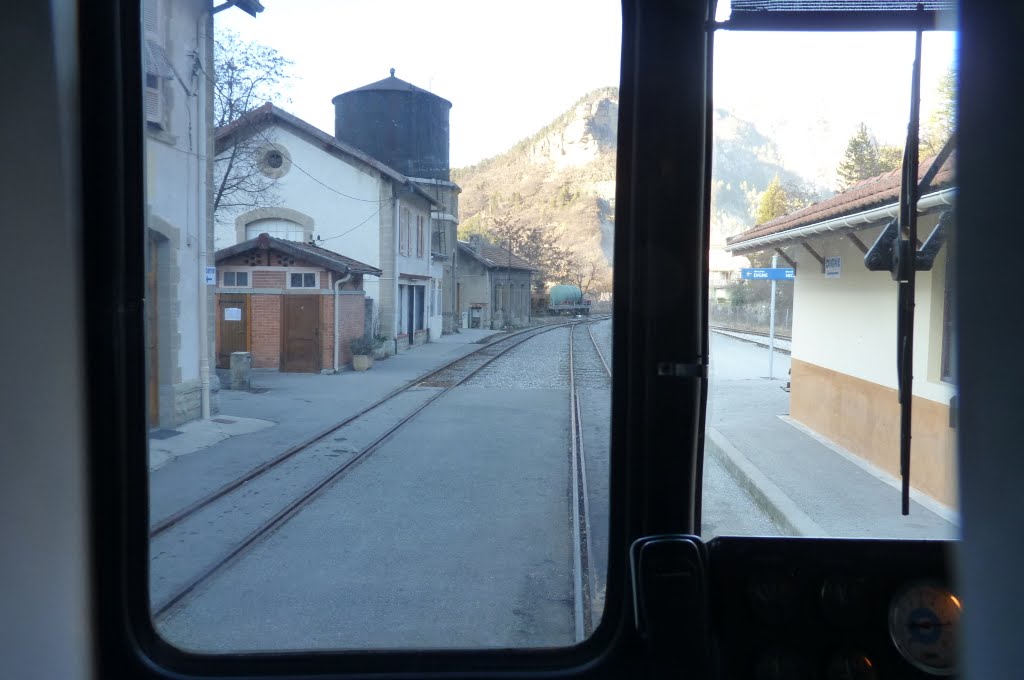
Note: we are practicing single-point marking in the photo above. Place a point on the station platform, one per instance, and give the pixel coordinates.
(283, 409)
(806, 485)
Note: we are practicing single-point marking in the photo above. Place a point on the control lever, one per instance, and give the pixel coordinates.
(670, 603)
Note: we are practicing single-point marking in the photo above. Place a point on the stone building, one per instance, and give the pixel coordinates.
(493, 287)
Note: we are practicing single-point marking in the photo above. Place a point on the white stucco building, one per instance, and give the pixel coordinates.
(844, 379)
(177, 47)
(329, 193)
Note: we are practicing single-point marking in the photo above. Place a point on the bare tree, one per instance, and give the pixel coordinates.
(531, 242)
(247, 75)
(584, 272)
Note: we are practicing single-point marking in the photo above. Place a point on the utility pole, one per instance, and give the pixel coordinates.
(771, 325)
(508, 275)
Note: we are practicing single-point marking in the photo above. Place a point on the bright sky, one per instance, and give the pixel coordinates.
(510, 68)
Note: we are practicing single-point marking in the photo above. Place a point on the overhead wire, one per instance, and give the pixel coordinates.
(305, 172)
(348, 231)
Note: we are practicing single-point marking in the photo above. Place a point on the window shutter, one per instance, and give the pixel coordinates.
(151, 18)
(154, 96)
(154, 105)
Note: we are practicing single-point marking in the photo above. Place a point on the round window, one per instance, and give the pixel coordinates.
(274, 159)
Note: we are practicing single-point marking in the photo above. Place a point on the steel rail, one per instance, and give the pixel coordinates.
(764, 334)
(584, 581)
(600, 354)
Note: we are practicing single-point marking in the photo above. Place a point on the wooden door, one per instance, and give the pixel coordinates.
(152, 339)
(232, 326)
(300, 333)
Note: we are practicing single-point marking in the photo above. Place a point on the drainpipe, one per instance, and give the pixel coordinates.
(337, 320)
(201, 208)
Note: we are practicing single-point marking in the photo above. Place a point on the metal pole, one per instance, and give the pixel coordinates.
(771, 325)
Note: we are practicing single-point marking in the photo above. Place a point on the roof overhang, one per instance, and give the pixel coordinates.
(320, 259)
(250, 7)
(860, 220)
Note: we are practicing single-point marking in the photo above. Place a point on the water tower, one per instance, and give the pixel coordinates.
(397, 123)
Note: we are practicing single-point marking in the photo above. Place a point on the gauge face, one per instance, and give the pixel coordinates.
(923, 622)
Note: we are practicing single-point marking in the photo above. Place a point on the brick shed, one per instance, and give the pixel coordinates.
(276, 299)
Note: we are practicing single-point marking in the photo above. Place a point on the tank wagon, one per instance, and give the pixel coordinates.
(567, 300)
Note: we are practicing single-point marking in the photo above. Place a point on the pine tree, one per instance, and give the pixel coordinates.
(890, 157)
(942, 121)
(861, 160)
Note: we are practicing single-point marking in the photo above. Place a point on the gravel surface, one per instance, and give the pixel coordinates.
(539, 363)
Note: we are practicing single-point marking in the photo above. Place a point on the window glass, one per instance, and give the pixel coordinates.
(466, 509)
(277, 228)
(804, 438)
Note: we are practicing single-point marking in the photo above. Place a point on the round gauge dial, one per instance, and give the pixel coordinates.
(923, 623)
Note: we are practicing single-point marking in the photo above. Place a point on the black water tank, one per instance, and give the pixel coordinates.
(397, 123)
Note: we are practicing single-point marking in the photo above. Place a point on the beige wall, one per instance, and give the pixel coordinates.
(864, 418)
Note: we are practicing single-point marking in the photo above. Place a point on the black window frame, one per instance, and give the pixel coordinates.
(111, 316)
(659, 359)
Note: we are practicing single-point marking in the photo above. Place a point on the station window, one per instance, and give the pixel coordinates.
(303, 280)
(236, 279)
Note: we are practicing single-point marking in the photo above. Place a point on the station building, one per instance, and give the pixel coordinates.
(844, 379)
(277, 299)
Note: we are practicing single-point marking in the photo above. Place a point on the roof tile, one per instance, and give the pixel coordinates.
(869, 193)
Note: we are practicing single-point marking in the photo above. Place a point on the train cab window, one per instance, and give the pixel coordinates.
(804, 408)
(336, 460)
(672, 349)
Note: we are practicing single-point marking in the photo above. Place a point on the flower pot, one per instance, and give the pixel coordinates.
(362, 362)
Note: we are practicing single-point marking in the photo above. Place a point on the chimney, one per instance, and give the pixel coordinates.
(475, 241)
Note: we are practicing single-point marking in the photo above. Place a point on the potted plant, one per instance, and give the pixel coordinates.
(380, 350)
(362, 354)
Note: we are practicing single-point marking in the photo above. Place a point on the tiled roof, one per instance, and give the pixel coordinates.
(328, 259)
(495, 257)
(268, 112)
(870, 193)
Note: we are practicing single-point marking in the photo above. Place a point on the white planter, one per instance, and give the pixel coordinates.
(362, 362)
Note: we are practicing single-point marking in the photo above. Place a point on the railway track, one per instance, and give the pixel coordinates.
(309, 467)
(762, 334)
(586, 598)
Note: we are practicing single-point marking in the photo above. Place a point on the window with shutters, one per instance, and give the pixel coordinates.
(158, 67)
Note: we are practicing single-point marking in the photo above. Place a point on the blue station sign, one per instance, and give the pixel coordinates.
(768, 274)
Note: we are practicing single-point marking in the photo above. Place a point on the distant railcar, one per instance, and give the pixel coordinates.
(567, 300)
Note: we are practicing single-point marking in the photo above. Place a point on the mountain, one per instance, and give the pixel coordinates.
(563, 177)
